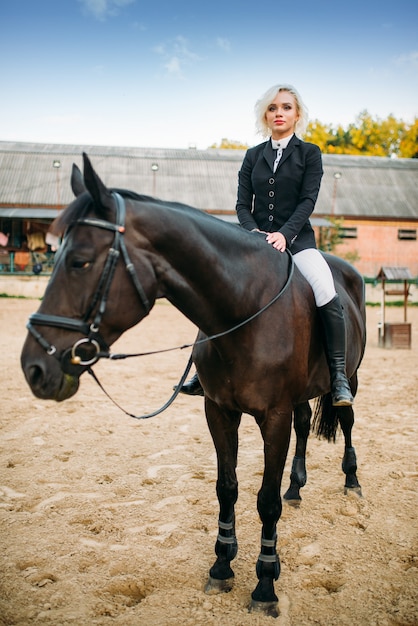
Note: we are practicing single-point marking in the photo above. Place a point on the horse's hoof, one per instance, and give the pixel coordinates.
(295, 502)
(355, 490)
(292, 495)
(215, 585)
(270, 609)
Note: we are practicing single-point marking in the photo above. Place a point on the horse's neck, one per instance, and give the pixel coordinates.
(216, 276)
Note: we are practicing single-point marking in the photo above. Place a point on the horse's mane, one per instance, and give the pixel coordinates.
(83, 203)
(74, 211)
(132, 195)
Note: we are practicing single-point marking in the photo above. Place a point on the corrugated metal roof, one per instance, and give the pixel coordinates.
(207, 179)
(29, 213)
(204, 179)
(370, 186)
(394, 273)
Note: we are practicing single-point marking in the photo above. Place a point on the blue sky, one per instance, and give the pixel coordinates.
(175, 74)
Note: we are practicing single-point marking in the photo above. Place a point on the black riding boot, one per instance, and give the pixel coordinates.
(193, 387)
(333, 324)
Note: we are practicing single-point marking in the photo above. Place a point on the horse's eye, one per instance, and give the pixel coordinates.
(79, 264)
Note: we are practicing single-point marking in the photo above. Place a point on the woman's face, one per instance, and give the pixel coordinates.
(282, 115)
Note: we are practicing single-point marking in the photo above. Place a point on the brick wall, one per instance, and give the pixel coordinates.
(377, 245)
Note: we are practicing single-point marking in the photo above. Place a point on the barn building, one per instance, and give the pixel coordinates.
(375, 199)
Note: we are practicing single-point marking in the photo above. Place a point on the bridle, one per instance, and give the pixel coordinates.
(86, 351)
(92, 344)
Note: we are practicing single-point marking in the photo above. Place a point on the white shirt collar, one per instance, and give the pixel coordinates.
(282, 143)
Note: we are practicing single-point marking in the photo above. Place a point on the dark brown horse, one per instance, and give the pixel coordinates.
(121, 252)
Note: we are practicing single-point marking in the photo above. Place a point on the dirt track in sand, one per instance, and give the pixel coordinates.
(106, 520)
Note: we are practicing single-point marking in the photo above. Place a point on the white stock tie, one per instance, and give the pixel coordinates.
(278, 157)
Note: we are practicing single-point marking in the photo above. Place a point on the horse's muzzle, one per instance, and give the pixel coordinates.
(47, 380)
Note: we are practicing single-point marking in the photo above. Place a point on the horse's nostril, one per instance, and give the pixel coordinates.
(35, 375)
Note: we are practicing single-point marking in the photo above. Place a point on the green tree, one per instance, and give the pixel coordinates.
(330, 237)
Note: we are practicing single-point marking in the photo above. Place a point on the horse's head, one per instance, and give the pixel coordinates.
(100, 287)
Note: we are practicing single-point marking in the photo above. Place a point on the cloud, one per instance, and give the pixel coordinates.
(101, 9)
(173, 66)
(182, 49)
(410, 59)
(224, 44)
(177, 56)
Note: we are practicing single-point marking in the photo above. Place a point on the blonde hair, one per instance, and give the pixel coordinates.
(262, 104)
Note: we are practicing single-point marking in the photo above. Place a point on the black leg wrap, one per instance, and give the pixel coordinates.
(268, 564)
(226, 543)
(349, 462)
(349, 467)
(264, 598)
(298, 473)
(226, 549)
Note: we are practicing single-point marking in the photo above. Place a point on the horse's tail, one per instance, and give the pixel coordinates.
(325, 421)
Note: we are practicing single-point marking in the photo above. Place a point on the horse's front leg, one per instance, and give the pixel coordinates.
(276, 435)
(223, 427)
(298, 475)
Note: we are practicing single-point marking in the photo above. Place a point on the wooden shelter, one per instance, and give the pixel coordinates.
(395, 335)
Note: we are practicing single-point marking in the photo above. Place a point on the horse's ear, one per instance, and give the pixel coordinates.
(101, 195)
(77, 182)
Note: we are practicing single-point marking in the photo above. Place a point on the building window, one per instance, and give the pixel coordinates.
(407, 233)
(348, 232)
(14, 229)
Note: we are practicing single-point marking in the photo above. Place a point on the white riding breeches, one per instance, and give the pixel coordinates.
(315, 269)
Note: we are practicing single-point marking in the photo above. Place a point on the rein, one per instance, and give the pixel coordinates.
(88, 350)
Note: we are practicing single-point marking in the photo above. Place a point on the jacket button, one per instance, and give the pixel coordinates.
(271, 194)
(271, 207)
(271, 181)
(270, 218)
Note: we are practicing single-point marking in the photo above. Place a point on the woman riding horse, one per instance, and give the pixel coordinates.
(278, 186)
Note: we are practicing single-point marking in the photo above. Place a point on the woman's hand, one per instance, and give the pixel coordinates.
(257, 230)
(277, 240)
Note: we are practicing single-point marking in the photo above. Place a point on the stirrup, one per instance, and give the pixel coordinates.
(193, 387)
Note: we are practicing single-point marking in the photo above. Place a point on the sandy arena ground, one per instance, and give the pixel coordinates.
(107, 520)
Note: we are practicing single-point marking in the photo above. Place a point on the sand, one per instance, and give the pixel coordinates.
(109, 520)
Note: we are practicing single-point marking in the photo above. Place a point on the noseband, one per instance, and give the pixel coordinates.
(87, 350)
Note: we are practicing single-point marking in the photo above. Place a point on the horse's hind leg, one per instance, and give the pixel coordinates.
(298, 475)
(349, 462)
(224, 431)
